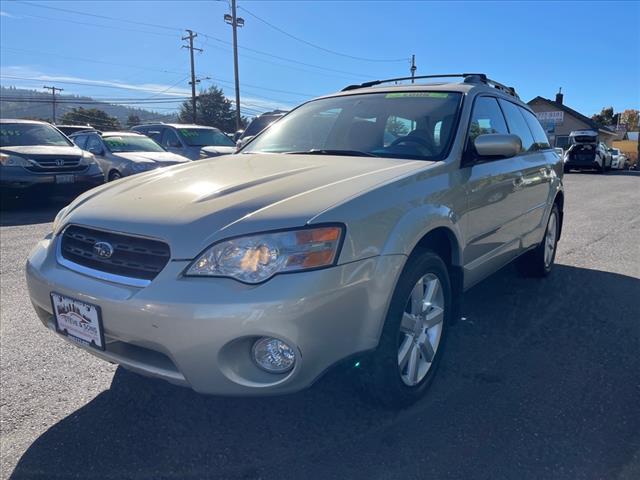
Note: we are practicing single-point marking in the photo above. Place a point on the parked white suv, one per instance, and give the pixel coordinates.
(586, 152)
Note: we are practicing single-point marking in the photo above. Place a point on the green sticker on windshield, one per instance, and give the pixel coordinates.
(416, 94)
(188, 133)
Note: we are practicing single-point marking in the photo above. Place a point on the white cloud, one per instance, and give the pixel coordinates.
(6, 14)
(28, 74)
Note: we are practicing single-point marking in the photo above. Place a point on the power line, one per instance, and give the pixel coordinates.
(48, 78)
(333, 52)
(85, 23)
(90, 102)
(81, 59)
(359, 75)
(155, 25)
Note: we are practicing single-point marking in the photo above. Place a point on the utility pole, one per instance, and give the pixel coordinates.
(191, 48)
(53, 92)
(235, 22)
(413, 67)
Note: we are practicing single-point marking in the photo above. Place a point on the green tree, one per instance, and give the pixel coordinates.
(605, 118)
(630, 118)
(397, 127)
(97, 118)
(212, 109)
(133, 120)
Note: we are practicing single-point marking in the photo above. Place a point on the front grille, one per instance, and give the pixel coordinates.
(56, 164)
(133, 257)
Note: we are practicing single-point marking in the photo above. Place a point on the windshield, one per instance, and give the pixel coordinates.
(203, 137)
(614, 151)
(27, 134)
(415, 125)
(259, 124)
(131, 143)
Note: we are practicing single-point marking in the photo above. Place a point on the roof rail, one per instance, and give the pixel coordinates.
(468, 78)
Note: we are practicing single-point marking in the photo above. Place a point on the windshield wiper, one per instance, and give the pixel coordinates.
(323, 151)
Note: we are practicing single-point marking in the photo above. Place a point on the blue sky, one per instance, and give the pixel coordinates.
(590, 49)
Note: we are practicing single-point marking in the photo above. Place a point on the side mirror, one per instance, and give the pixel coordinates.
(498, 145)
(96, 150)
(237, 135)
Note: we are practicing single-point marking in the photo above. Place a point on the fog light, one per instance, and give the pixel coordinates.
(273, 355)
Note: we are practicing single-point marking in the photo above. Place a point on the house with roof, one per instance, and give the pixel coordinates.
(559, 121)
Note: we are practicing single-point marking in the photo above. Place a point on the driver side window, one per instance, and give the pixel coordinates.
(486, 118)
(170, 139)
(94, 144)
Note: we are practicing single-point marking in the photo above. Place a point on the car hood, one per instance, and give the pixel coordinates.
(158, 157)
(213, 150)
(39, 150)
(193, 205)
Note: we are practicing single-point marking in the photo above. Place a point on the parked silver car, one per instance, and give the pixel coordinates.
(125, 153)
(191, 141)
(344, 234)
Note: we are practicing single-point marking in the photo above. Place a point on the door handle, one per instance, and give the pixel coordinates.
(518, 182)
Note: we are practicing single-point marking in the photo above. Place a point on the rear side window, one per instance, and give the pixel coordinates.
(517, 124)
(486, 118)
(540, 139)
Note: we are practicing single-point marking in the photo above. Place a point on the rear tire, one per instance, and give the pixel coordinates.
(402, 367)
(539, 261)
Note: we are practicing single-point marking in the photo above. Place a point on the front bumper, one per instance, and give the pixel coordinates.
(198, 332)
(20, 178)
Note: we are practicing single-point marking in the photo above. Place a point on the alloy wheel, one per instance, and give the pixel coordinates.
(420, 329)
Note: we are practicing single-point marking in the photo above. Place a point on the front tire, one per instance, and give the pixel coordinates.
(114, 175)
(539, 261)
(411, 346)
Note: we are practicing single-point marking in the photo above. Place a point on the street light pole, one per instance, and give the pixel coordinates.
(235, 22)
(53, 92)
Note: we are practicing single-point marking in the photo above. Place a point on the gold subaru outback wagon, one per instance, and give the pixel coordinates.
(346, 231)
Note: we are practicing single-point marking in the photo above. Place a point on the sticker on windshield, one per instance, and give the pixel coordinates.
(416, 94)
(188, 133)
(10, 133)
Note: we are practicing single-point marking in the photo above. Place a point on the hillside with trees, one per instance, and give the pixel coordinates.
(33, 104)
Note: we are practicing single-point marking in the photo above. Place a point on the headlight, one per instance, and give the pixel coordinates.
(256, 258)
(142, 166)
(58, 219)
(87, 158)
(14, 161)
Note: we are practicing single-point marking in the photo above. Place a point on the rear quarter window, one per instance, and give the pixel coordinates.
(517, 124)
(541, 142)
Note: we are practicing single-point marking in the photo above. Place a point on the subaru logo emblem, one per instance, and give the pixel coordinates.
(60, 162)
(103, 249)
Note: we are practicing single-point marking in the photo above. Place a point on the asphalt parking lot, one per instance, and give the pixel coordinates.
(540, 380)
